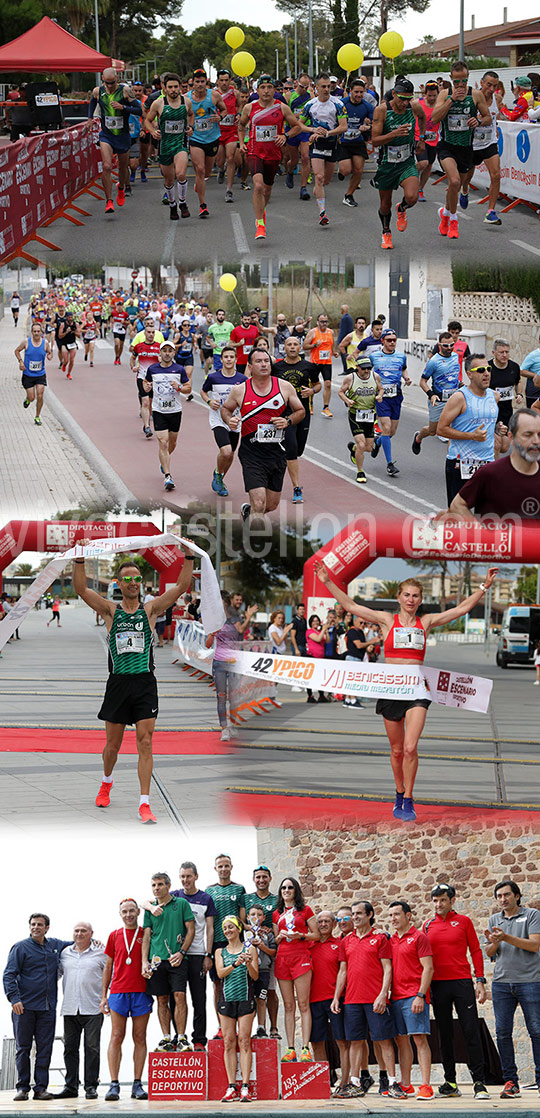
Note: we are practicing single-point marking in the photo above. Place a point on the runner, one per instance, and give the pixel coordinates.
(184, 341)
(469, 419)
(120, 324)
(68, 333)
(237, 968)
(360, 390)
(305, 381)
(36, 351)
(424, 164)
(262, 401)
(124, 995)
(324, 117)
(266, 118)
(405, 637)
(90, 330)
(443, 371)
(242, 338)
(143, 138)
(352, 150)
(393, 130)
(15, 305)
(320, 345)
(298, 145)
(144, 351)
(208, 107)
(218, 335)
(175, 122)
(506, 379)
(168, 381)
(392, 369)
(113, 102)
(228, 156)
(215, 390)
(485, 149)
(460, 111)
(348, 345)
(131, 693)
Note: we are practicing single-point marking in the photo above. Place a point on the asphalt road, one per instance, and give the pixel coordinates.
(142, 232)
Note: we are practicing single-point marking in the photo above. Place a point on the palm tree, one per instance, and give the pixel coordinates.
(24, 570)
(389, 588)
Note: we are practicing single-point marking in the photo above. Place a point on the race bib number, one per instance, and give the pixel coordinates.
(320, 151)
(398, 153)
(35, 366)
(71, 346)
(119, 329)
(447, 393)
(248, 348)
(390, 390)
(430, 137)
(324, 355)
(112, 122)
(352, 134)
(267, 433)
(203, 125)
(265, 132)
(459, 123)
(482, 137)
(407, 637)
(174, 127)
(365, 416)
(469, 466)
(129, 641)
(506, 393)
(227, 121)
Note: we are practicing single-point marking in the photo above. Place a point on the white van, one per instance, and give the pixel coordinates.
(520, 633)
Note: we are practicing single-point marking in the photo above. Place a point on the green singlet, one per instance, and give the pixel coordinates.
(236, 984)
(456, 128)
(130, 643)
(363, 392)
(172, 125)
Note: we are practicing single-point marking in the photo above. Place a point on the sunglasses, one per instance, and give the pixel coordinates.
(288, 888)
(131, 578)
(265, 868)
(404, 96)
(480, 369)
(460, 81)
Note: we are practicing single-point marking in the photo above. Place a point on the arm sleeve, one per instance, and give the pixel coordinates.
(92, 107)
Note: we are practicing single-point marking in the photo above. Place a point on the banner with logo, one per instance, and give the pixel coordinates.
(190, 648)
(519, 150)
(371, 681)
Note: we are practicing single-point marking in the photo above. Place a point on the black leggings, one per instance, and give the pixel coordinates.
(458, 992)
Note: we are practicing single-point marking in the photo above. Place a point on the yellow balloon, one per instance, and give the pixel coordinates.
(227, 281)
(391, 44)
(243, 63)
(234, 37)
(350, 56)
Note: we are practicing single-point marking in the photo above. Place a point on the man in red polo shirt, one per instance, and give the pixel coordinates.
(127, 997)
(242, 338)
(365, 976)
(325, 956)
(452, 937)
(412, 971)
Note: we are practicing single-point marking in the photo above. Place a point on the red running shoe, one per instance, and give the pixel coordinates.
(120, 195)
(145, 815)
(103, 797)
(109, 208)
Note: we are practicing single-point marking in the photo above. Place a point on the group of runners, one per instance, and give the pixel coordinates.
(308, 126)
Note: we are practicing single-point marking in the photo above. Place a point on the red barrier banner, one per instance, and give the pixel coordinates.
(40, 174)
(264, 1082)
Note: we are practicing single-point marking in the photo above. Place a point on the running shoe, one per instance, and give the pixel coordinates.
(225, 734)
(327, 413)
(464, 199)
(351, 447)
(143, 176)
(217, 481)
(407, 1090)
(69, 376)
(203, 210)
(169, 483)
(260, 231)
(392, 470)
(421, 197)
(199, 1047)
(510, 1091)
(245, 1093)
(386, 241)
(229, 196)
(323, 219)
(37, 421)
(349, 200)
(350, 1091)
(109, 207)
(341, 177)
(128, 190)
(183, 1045)
(103, 797)
(289, 1057)
(298, 495)
(289, 180)
(218, 1035)
(304, 194)
(425, 1091)
(492, 218)
(245, 186)
(261, 1032)
(305, 1055)
(397, 810)
(26, 403)
(361, 478)
(443, 224)
(184, 211)
(449, 1091)
(120, 195)
(166, 1044)
(401, 220)
(408, 814)
(221, 177)
(480, 1090)
(173, 213)
(375, 448)
(384, 1083)
(366, 1082)
(453, 230)
(148, 432)
(113, 1094)
(245, 510)
(395, 1091)
(231, 1094)
(164, 199)
(138, 1091)
(416, 446)
(132, 176)
(147, 816)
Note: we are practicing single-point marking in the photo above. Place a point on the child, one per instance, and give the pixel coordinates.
(263, 939)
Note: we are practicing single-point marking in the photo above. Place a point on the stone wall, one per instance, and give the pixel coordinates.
(382, 863)
(499, 315)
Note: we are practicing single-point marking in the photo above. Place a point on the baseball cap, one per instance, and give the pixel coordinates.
(266, 78)
(164, 344)
(363, 362)
(388, 331)
(333, 78)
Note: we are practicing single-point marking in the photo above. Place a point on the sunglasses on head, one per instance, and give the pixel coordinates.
(131, 578)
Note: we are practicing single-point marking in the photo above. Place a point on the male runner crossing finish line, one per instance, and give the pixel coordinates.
(131, 692)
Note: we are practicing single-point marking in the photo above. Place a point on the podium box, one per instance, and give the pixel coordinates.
(264, 1081)
(305, 1080)
(175, 1075)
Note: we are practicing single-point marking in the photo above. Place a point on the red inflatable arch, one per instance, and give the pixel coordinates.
(60, 535)
(367, 538)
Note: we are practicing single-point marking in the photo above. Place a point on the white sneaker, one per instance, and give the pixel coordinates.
(225, 734)
(536, 683)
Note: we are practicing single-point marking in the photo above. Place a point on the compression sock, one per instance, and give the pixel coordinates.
(386, 444)
(385, 221)
(321, 202)
(181, 190)
(169, 190)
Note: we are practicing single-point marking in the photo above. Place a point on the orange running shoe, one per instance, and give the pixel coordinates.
(443, 224)
(120, 195)
(305, 1055)
(289, 1057)
(260, 230)
(386, 240)
(408, 1090)
(453, 229)
(401, 220)
(145, 815)
(103, 797)
(425, 1091)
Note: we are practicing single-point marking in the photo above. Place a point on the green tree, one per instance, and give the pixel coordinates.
(23, 570)
(526, 585)
(273, 562)
(389, 588)
(338, 32)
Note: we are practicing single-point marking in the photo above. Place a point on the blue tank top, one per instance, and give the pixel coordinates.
(480, 409)
(34, 359)
(205, 130)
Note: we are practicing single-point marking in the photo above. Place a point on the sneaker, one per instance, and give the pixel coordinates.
(169, 483)
(26, 403)
(449, 1091)
(113, 1094)
(375, 448)
(260, 231)
(226, 736)
(216, 481)
(341, 177)
(143, 176)
(536, 683)
(401, 220)
(416, 446)
(245, 510)
(289, 1057)
(407, 1090)
(453, 230)
(386, 241)
(173, 213)
(120, 196)
(218, 1035)
(425, 1091)
(231, 1094)
(304, 194)
(395, 1091)
(391, 469)
(103, 797)
(138, 1091)
(164, 199)
(37, 421)
(245, 186)
(421, 197)
(366, 1081)
(289, 180)
(350, 201)
(109, 209)
(166, 1044)
(147, 816)
(69, 376)
(443, 224)
(148, 432)
(323, 219)
(480, 1090)
(384, 1083)
(132, 176)
(350, 1091)
(203, 210)
(492, 218)
(361, 478)
(305, 1055)
(351, 447)
(199, 1047)
(298, 495)
(408, 814)
(327, 413)
(510, 1091)
(183, 1045)
(397, 810)
(464, 199)
(221, 177)
(245, 1093)
(229, 196)
(184, 210)
(128, 190)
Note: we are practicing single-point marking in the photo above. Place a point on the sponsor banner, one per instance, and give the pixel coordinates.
(305, 1081)
(448, 538)
(519, 150)
(172, 1075)
(211, 604)
(39, 173)
(264, 1078)
(190, 647)
(372, 681)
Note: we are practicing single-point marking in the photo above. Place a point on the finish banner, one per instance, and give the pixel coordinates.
(371, 681)
(190, 648)
(519, 151)
(40, 174)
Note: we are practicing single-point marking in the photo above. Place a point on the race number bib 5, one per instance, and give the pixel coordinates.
(390, 390)
(129, 641)
(267, 433)
(398, 153)
(365, 416)
(112, 122)
(265, 132)
(469, 466)
(174, 127)
(407, 637)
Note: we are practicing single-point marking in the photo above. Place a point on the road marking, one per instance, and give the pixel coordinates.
(529, 248)
(380, 483)
(100, 343)
(239, 234)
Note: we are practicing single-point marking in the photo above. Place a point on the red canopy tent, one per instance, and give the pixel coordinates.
(48, 48)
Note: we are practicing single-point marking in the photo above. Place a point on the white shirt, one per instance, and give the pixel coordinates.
(81, 979)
